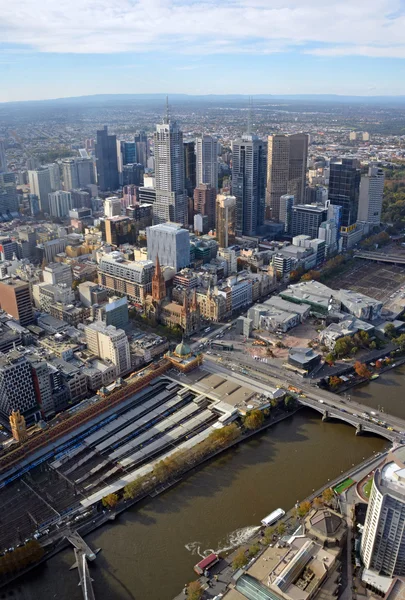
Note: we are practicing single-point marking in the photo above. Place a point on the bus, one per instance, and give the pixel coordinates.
(222, 346)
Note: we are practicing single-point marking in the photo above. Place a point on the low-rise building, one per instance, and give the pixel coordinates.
(304, 358)
(345, 328)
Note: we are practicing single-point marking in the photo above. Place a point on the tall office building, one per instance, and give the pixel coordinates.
(206, 150)
(126, 153)
(344, 188)
(249, 183)
(132, 174)
(60, 203)
(17, 390)
(70, 174)
(8, 194)
(141, 149)
(54, 176)
(109, 343)
(371, 196)
(383, 540)
(107, 162)
(204, 202)
(120, 230)
(189, 167)
(170, 204)
(286, 170)
(40, 185)
(170, 243)
(80, 198)
(3, 161)
(15, 299)
(112, 206)
(226, 220)
(286, 211)
(307, 218)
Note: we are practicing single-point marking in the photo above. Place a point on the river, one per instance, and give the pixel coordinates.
(149, 552)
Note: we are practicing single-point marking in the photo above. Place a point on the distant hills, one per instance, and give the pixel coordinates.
(210, 98)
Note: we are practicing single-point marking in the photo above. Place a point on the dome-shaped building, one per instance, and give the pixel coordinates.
(183, 350)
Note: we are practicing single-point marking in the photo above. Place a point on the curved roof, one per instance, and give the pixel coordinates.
(182, 349)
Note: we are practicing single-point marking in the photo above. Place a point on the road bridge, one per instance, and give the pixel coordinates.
(381, 257)
(330, 405)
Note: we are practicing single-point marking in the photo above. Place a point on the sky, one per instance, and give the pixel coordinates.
(51, 49)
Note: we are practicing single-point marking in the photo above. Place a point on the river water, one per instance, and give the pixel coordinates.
(149, 552)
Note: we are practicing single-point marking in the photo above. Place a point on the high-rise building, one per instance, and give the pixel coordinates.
(204, 202)
(328, 231)
(109, 343)
(344, 188)
(8, 194)
(371, 196)
(142, 149)
(15, 299)
(54, 176)
(171, 243)
(112, 206)
(206, 150)
(120, 230)
(60, 203)
(226, 220)
(132, 174)
(17, 392)
(40, 185)
(286, 170)
(85, 171)
(126, 154)
(170, 202)
(189, 167)
(249, 183)
(70, 174)
(383, 540)
(81, 198)
(307, 218)
(3, 161)
(286, 211)
(107, 162)
(129, 277)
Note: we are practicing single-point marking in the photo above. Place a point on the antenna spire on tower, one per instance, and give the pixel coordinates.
(167, 117)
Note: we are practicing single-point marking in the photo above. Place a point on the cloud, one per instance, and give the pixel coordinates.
(373, 28)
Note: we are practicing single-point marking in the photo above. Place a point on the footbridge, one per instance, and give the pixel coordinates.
(381, 257)
(84, 575)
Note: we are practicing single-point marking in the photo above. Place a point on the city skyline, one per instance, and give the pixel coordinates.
(270, 48)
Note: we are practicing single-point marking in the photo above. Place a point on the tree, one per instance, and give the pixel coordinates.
(328, 495)
(373, 345)
(195, 590)
(335, 381)
(330, 358)
(343, 346)
(400, 340)
(269, 534)
(281, 528)
(240, 560)
(311, 275)
(110, 501)
(289, 403)
(253, 419)
(362, 370)
(304, 508)
(253, 550)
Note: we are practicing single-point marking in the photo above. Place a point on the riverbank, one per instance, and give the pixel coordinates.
(99, 519)
(221, 575)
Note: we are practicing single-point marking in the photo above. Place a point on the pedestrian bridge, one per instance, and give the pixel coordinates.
(361, 424)
(380, 257)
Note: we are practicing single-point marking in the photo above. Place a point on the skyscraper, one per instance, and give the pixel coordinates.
(170, 204)
(286, 170)
(190, 167)
(8, 194)
(40, 185)
(383, 540)
(60, 203)
(171, 243)
(371, 196)
(107, 162)
(70, 174)
(54, 176)
(17, 390)
(3, 163)
(225, 225)
(344, 188)
(204, 202)
(141, 149)
(248, 183)
(206, 149)
(15, 299)
(286, 210)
